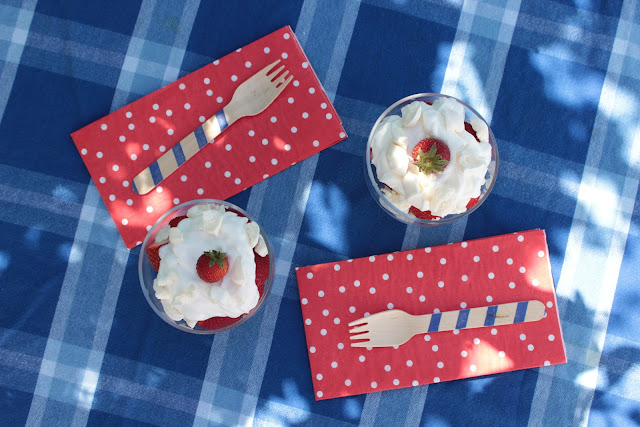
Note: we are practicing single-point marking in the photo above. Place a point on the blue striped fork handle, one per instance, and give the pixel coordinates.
(252, 97)
(395, 327)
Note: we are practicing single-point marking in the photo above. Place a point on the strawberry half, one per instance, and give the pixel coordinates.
(153, 252)
(422, 214)
(469, 128)
(212, 266)
(175, 221)
(431, 155)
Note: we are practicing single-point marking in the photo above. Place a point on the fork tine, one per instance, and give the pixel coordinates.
(286, 82)
(281, 77)
(269, 67)
(272, 76)
(357, 322)
(357, 329)
(365, 336)
(362, 344)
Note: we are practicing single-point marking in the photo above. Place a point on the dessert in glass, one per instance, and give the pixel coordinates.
(430, 159)
(205, 266)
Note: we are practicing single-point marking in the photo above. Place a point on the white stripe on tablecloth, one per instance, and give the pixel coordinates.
(599, 290)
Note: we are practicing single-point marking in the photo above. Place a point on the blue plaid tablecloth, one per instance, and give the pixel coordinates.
(558, 80)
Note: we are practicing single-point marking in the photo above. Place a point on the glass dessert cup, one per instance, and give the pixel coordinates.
(376, 186)
(147, 274)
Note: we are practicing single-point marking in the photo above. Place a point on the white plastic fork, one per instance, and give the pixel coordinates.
(396, 327)
(252, 97)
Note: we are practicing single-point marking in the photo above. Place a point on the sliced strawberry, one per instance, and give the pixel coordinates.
(469, 128)
(154, 255)
(431, 155)
(472, 202)
(422, 214)
(218, 322)
(175, 221)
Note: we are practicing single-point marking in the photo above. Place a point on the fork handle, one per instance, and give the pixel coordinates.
(170, 161)
(493, 315)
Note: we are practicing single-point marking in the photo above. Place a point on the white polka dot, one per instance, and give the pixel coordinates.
(489, 298)
(473, 368)
(265, 176)
(227, 147)
(356, 283)
(456, 331)
(312, 349)
(294, 129)
(535, 282)
(509, 261)
(290, 100)
(465, 277)
(116, 168)
(463, 304)
(540, 254)
(436, 310)
(162, 148)
(420, 274)
(320, 294)
(308, 321)
(522, 269)
(312, 90)
(125, 183)
(409, 289)
(104, 127)
(112, 197)
(267, 50)
(352, 309)
(396, 381)
(422, 298)
(219, 100)
(234, 78)
(129, 202)
(389, 257)
(520, 238)
(287, 147)
(125, 221)
(296, 83)
(441, 284)
(207, 165)
(200, 191)
(501, 354)
(265, 141)
(319, 377)
(547, 363)
(159, 189)
(145, 147)
(284, 55)
(152, 119)
(183, 178)
(316, 143)
(304, 301)
(491, 275)
(251, 132)
(274, 119)
(390, 305)
(319, 394)
(305, 115)
(464, 244)
(530, 347)
(323, 332)
(409, 363)
(325, 312)
(443, 261)
(427, 338)
(247, 64)
(476, 258)
(169, 112)
(434, 348)
(464, 353)
(209, 92)
(252, 159)
(181, 86)
(495, 248)
(372, 291)
(328, 116)
(176, 201)
(202, 119)
(207, 80)
(362, 358)
(187, 106)
(227, 174)
(549, 304)
(440, 365)
(374, 384)
(83, 151)
(309, 275)
(347, 382)
(476, 341)
(551, 337)
(523, 337)
(99, 154)
(155, 106)
(385, 276)
(274, 161)
(170, 131)
(414, 383)
(237, 181)
(409, 257)
(149, 209)
(512, 285)
(494, 331)
(340, 346)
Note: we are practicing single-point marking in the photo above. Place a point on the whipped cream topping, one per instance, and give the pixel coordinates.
(183, 294)
(443, 193)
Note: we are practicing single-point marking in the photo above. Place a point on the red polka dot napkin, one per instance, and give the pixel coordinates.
(299, 123)
(476, 273)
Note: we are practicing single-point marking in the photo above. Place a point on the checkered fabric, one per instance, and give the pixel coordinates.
(558, 80)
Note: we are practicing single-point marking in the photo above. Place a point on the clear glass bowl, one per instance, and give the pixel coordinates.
(147, 274)
(375, 186)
